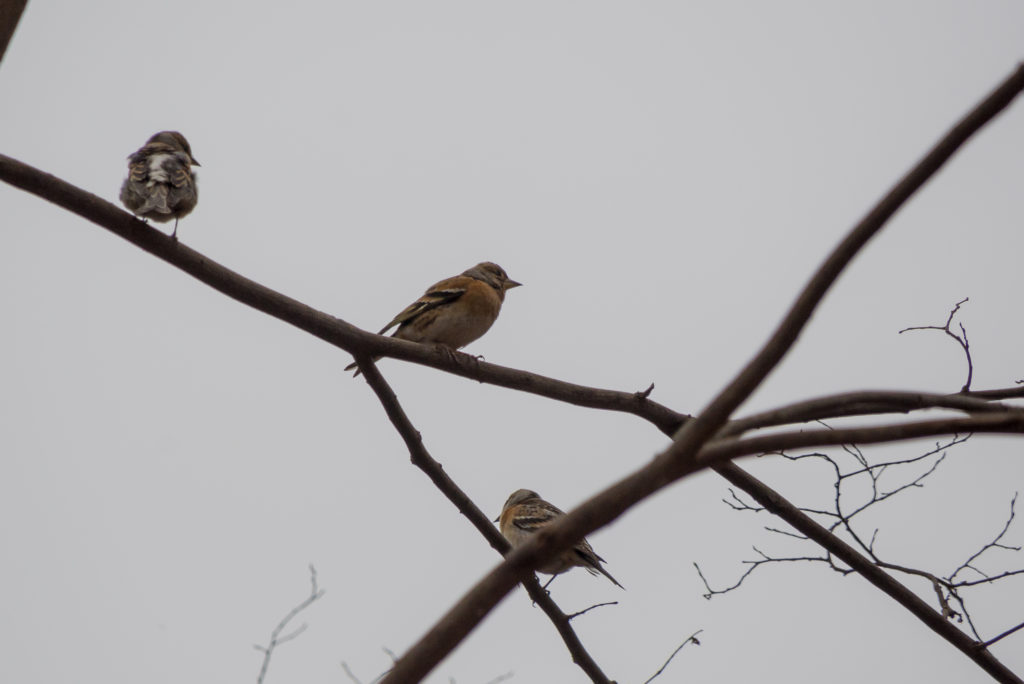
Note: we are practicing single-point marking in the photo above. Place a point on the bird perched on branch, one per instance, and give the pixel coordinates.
(525, 513)
(160, 183)
(455, 311)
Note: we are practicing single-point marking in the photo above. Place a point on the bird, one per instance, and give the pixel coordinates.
(161, 184)
(525, 513)
(455, 311)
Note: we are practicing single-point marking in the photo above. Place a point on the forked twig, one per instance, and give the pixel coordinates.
(275, 636)
(961, 339)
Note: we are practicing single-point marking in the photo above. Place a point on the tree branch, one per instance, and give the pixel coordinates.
(865, 403)
(692, 639)
(10, 14)
(422, 459)
(324, 326)
(1003, 635)
(961, 339)
(275, 636)
(680, 459)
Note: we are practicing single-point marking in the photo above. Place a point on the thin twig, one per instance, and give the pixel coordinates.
(764, 560)
(275, 636)
(692, 639)
(994, 544)
(572, 616)
(501, 678)
(786, 533)
(349, 673)
(961, 339)
(1003, 635)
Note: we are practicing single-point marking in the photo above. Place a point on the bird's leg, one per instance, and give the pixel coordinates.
(469, 360)
(452, 354)
(174, 233)
(544, 588)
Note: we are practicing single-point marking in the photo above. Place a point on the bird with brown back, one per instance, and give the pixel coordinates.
(161, 184)
(454, 311)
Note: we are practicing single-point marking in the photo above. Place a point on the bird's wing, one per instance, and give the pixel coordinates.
(180, 175)
(533, 515)
(442, 293)
(138, 169)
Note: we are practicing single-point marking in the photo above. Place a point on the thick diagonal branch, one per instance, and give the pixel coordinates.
(10, 14)
(681, 458)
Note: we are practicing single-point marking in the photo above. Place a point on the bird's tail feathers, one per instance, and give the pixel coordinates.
(592, 562)
(609, 576)
(156, 200)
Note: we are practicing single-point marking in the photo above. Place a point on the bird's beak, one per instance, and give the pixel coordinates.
(195, 163)
(496, 519)
(509, 284)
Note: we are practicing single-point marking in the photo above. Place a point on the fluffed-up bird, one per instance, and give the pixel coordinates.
(525, 513)
(455, 311)
(160, 183)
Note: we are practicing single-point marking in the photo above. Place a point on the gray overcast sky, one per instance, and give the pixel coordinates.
(661, 176)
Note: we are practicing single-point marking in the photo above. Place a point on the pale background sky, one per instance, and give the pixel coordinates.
(662, 176)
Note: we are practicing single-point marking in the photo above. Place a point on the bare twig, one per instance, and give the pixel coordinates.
(575, 615)
(738, 504)
(349, 673)
(275, 636)
(643, 394)
(867, 569)
(786, 533)
(875, 472)
(945, 589)
(961, 339)
(996, 543)
(712, 592)
(990, 579)
(765, 560)
(692, 639)
(1003, 635)
(501, 678)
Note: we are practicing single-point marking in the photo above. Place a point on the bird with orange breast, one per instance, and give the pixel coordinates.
(455, 311)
